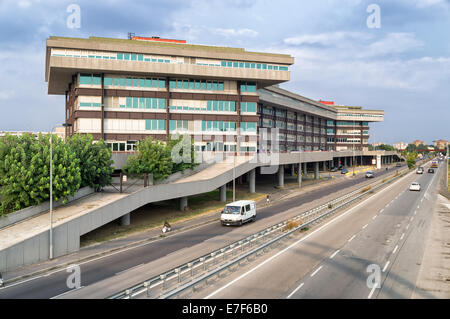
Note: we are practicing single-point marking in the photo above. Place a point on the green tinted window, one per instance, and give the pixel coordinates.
(85, 79)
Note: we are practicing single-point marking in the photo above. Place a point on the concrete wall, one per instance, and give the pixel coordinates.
(36, 210)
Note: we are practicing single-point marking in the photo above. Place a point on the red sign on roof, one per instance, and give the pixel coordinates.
(157, 39)
(327, 102)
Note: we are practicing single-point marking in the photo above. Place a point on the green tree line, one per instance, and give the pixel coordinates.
(25, 168)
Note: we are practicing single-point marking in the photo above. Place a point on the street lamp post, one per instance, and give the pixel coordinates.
(51, 187)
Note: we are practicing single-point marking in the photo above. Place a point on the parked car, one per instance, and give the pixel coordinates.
(431, 170)
(344, 170)
(414, 186)
(239, 212)
(334, 169)
(370, 175)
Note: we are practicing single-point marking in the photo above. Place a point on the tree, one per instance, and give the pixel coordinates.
(95, 160)
(411, 159)
(385, 147)
(152, 157)
(182, 152)
(25, 171)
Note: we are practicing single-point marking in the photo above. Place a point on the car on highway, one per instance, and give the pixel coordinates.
(419, 170)
(370, 174)
(334, 169)
(238, 213)
(431, 170)
(344, 170)
(414, 186)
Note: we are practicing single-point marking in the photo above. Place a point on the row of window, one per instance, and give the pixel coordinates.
(250, 65)
(134, 82)
(155, 125)
(249, 107)
(144, 103)
(202, 85)
(141, 58)
(248, 87)
(86, 104)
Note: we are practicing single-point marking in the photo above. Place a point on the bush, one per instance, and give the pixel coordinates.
(95, 160)
(152, 157)
(25, 171)
(182, 152)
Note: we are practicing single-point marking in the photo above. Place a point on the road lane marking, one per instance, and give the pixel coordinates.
(385, 266)
(296, 289)
(334, 254)
(365, 226)
(373, 289)
(64, 293)
(121, 272)
(403, 235)
(407, 226)
(422, 199)
(353, 237)
(304, 238)
(382, 210)
(374, 217)
(395, 249)
(412, 218)
(316, 271)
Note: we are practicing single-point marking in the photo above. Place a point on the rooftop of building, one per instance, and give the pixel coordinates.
(164, 43)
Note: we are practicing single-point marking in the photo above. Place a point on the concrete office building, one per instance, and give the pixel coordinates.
(125, 90)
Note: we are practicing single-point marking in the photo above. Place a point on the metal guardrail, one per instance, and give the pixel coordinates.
(261, 239)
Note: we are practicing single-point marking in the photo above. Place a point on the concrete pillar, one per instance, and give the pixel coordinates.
(304, 170)
(183, 203)
(125, 220)
(251, 180)
(299, 175)
(292, 170)
(316, 170)
(281, 176)
(351, 161)
(223, 193)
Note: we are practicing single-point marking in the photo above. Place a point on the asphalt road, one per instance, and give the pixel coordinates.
(387, 231)
(54, 283)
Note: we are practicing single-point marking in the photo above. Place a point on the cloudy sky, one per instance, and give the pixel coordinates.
(403, 67)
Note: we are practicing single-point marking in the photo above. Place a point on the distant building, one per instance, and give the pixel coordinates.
(60, 131)
(440, 144)
(418, 142)
(378, 144)
(401, 146)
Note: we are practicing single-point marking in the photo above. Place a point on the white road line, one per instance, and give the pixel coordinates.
(395, 249)
(64, 293)
(407, 226)
(422, 199)
(351, 238)
(302, 239)
(121, 272)
(412, 218)
(316, 271)
(385, 266)
(372, 291)
(415, 212)
(365, 226)
(403, 235)
(296, 289)
(334, 254)
(382, 210)
(374, 217)
(418, 206)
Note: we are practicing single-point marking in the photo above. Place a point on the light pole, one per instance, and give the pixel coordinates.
(51, 187)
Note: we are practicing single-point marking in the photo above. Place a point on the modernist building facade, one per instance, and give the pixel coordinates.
(125, 90)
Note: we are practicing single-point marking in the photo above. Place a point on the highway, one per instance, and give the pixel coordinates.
(54, 283)
(386, 232)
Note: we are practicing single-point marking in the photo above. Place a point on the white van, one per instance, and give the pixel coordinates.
(239, 212)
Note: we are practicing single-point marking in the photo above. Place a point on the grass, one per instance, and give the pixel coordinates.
(153, 215)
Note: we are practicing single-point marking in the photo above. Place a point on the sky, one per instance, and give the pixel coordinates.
(401, 66)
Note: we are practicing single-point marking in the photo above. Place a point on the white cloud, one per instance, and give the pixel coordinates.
(236, 32)
(6, 94)
(330, 38)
